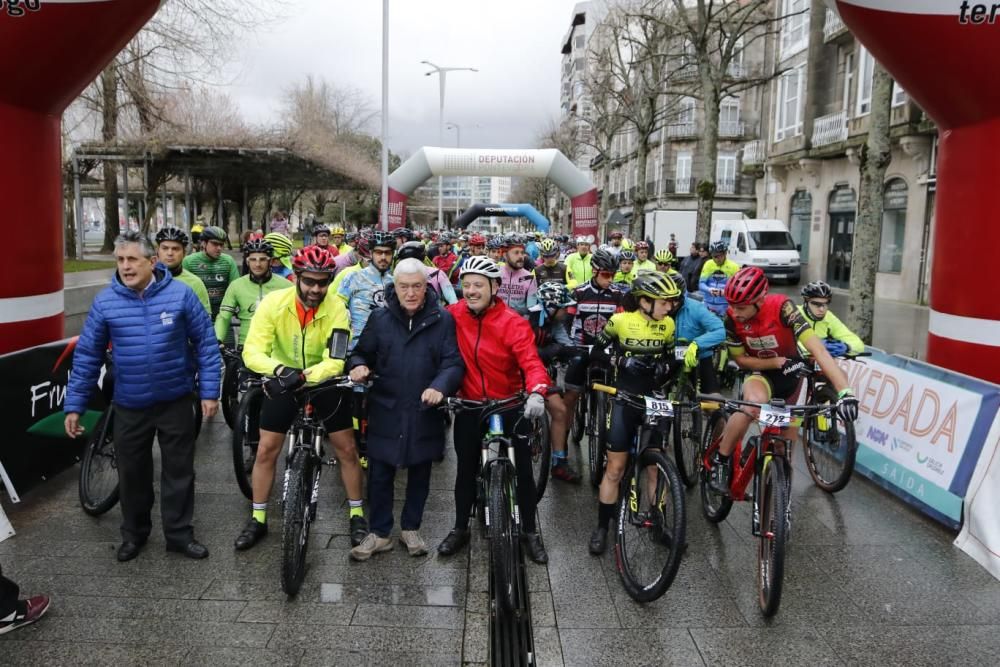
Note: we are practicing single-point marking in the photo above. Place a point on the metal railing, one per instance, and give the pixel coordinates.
(679, 186)
(829, 129)
(726, 186)
(731, 128)
(753, 153)
(833, 25)
(681, 130)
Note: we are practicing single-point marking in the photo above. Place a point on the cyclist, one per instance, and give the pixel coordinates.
(596, 302)
(446, 259)
(436, 279)
(477, 246)
(615, 246)
(838, 339)
(321, 238)
(642, 338)
(715, 273)
(762, 332)
(551, 269)
(664, 260)
(171, 243)
(517, 285)
(337, 240)
(289, 339)
(500, 360)
(215, 268)
(702, 332)
(364, 289)
(244, 295)
(532, 249)
(281, 263)
(626, 273)
(495, 248)
(642, 261)
(355, 260)
(578, 264)
(553, 341)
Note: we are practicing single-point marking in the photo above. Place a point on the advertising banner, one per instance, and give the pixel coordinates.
(921, 430)
(980, 536)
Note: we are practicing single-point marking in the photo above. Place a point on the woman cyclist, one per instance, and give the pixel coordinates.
(642, 339)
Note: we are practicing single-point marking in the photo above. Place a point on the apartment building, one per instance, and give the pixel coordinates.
(806, 161)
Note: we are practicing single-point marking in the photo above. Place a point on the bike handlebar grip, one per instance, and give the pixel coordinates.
(604, 388)
(710, 405)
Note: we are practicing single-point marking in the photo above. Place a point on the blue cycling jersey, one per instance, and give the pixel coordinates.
(363, 291)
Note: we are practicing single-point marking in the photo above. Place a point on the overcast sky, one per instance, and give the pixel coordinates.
(514, 43)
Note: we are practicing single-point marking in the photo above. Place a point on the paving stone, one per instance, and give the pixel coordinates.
(745, 647)
(20, 652)
(401, 616)
(918, 646)
(297, 612)
(582, 648)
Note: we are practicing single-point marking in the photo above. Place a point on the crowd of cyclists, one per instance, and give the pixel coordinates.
(619, 307)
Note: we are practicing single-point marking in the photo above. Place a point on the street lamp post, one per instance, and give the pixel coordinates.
(442, 73)
(384, 204)
(458, 144)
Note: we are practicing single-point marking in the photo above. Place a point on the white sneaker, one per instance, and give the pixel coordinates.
(414, 543)
(372, 544)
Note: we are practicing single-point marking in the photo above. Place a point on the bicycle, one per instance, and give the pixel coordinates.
(683, 392)
(497, 496)
(300, 492)
(652, 519)
(246, 433)
(764, 460)
(233, 369)
(590, 419)
(829, 456)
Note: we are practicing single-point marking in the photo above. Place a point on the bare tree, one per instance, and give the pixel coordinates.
(876, 155)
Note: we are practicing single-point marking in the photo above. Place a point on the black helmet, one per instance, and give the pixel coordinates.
(414, 249)
(172, 234)
(213, 233)
(602, 260)
(321, 228)
(718, 247)
(258, 245)
(380, 239)
(817, 290)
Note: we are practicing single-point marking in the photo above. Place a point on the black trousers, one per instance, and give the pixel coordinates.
(469, 431)
(381, 491)
(9, 593)
(172, 423)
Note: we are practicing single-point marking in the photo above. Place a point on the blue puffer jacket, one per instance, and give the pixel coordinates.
(158, 341)
(716, 304)
(696, 323)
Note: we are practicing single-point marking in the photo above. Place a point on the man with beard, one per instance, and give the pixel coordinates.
(171, 244)
(215, 268)
(245, 294)
(517, 285)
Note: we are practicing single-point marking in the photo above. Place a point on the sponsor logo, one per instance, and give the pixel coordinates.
(16, 8)
(879, 437)
(166, 319)
(931, 463)
(762, 343)
(594, 324)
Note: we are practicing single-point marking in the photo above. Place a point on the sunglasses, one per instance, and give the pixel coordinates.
(313, 282)
(819, 304)
(606, 274)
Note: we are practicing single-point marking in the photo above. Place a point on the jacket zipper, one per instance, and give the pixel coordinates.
(475, 353)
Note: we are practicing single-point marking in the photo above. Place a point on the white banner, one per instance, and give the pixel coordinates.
(980, 536)
(6, 530)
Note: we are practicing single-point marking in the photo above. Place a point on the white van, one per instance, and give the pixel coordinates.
(763, 243)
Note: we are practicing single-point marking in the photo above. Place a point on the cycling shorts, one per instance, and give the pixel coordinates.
(334, 407)
(624, 424)
(576, 371)
(778, 384)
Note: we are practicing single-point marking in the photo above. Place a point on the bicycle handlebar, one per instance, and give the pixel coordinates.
(709, 402)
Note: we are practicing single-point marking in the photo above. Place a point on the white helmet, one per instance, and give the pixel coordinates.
(480, 265)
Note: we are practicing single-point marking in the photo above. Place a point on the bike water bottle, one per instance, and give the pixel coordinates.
(496, 425)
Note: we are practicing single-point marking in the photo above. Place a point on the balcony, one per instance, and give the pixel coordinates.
(732, 128)
(726, 186)
(833, 27)
(753, 153)
(679, 186)
(829, 129)
(682, 130)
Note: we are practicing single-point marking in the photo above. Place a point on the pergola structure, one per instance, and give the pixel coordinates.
(239, 174)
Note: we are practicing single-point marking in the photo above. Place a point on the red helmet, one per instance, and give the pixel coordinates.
(746, 287)
(363, 247)
(477, 239)
(313, 258)
(641, 245)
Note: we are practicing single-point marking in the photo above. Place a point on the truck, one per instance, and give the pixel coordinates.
(764, 243)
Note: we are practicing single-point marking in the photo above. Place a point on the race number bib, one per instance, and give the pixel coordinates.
(659, 407)
(772, 416)
(680, 352)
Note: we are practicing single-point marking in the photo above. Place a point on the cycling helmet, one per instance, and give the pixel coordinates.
(554, 295)
(602, 260)
(363, 247)
(213, 233)
(628, 245)
(414, 249)
(258, 245)
(746, 287)
(321, 228)
(663, 257)
(477, 239)
(464, 238)
(481, 266)
(337, 231)
(514, 241)
(641, 245)
(404, 232)
(351, 237)
(717, 247)
(626, 256)
(380, 239)
(495, 243)
(582, 239)
(313, 258)
(281, 244)
(174, 234)
(615, 235)
(814, 290)
(548, 248)
(655, 285)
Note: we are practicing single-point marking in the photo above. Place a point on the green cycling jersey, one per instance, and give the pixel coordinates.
(215, 273)
(242, 298)
(831, 328)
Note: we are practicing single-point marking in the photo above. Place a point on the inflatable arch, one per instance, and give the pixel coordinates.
(533, 163)
(528, 211)
(949, 63)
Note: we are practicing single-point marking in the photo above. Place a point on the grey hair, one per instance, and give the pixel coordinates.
(126, 238)
(409, 267)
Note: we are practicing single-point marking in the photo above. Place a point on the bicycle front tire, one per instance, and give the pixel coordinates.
(246, 438)
(687, 435)
(295, 522)
(597, 437)
(541, 454)
(99, 488)
(773, 534)
(231, 393)
(503, 557)
(715, 507)
(830, 463)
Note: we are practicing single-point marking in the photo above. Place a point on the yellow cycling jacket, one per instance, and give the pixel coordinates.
(277, 339)
(830, 327)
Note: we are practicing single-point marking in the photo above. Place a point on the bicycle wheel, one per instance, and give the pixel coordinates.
(773, 534)
(99, 468)
(541, 454)
(295, 521)
(231, 392)
(715, 507)
(687, 435)
(597, 436)
(246, 437)
(829, 457)
(503, 557)
(651, 527)
(580, 418)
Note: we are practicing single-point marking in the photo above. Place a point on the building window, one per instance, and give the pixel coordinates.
(683, 173)
(791, 86)
(729, 117)
(725, 173)
(794, 26)
(890, 251)
(581, 41)
(866, 69)
(848, 80)
(578, 89)
(800, 221)
(685, 111)
(899, 96)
